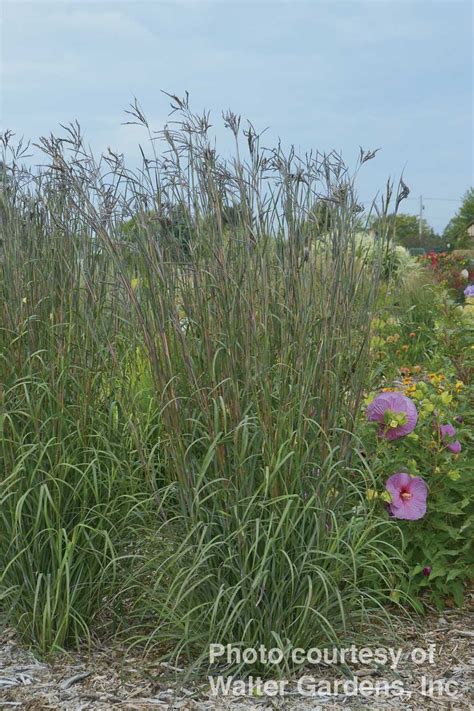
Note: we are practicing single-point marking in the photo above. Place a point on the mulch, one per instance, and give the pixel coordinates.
(108, 678)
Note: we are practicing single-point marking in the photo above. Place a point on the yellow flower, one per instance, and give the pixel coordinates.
(405, 348)
(371, 494)
(459, 385)
(435, 378)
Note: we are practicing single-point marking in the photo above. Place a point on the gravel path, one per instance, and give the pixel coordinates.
(105, 679)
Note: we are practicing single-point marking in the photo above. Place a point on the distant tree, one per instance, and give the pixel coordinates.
(320, 217)
(456, 229)
(232, 215)
(171, 229)
(405, 230)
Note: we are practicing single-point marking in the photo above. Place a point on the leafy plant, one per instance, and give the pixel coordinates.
(438, 547)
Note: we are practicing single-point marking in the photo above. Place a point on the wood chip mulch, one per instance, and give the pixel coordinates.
(109, 679)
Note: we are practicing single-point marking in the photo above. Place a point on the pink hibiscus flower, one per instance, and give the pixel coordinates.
(446, 432)
(395, 412)
(408, 496)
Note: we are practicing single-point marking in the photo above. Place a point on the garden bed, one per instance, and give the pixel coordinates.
(239, 417)
(106, 679)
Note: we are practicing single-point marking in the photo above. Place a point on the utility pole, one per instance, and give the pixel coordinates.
(420, 229)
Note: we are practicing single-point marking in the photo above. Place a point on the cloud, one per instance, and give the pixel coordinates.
(126, 139)
(32, 72)
(110, 24)
(47, 42)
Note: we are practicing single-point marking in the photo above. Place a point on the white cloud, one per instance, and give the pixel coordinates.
(110, 24)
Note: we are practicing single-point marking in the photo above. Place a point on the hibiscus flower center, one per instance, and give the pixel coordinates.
(405, 495)
(393, 419)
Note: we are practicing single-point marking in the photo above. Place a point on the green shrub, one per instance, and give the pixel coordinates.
(433, 365)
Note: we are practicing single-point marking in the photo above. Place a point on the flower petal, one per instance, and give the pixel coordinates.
(412, 510)
(447, 431)
(454, 447)
(394, 485)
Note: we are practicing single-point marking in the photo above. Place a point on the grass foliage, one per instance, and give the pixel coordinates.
(184, 350)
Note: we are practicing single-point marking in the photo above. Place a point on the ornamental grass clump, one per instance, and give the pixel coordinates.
(228, 309)
(73, 484)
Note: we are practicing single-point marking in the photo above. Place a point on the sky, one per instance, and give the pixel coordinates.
(333, 74)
